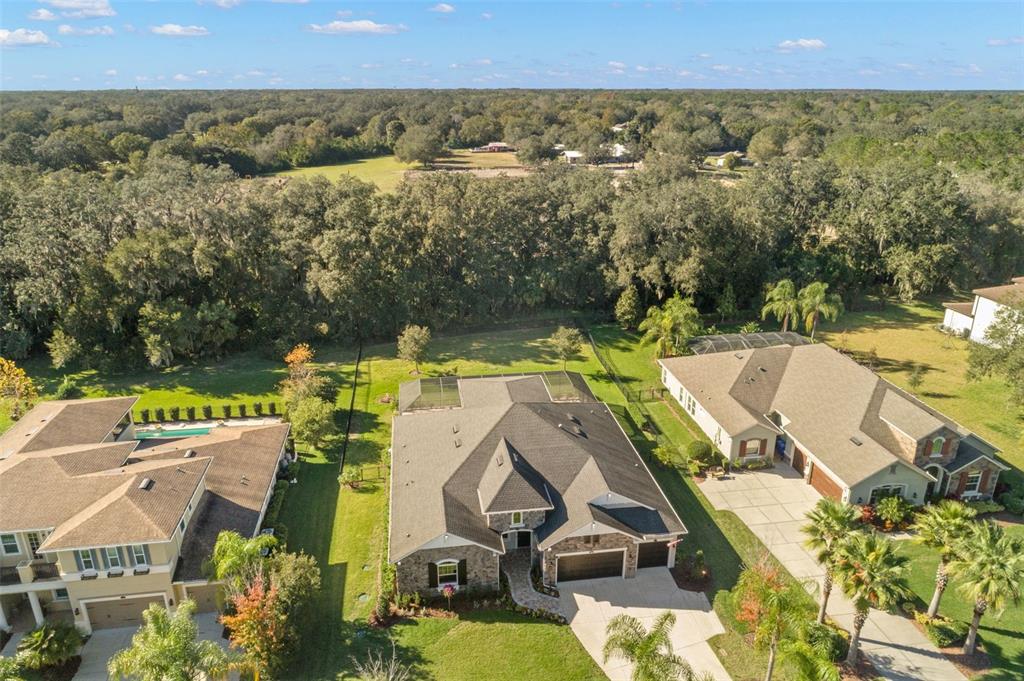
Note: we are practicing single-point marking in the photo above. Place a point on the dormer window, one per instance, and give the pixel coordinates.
(517, 518)
(937, 445)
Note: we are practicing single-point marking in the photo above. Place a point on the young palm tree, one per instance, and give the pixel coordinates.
(775, 607)
(670, 325)
(805, 663)
(816, 302)
(649, 651)
(166, 647)
(829, 523)
(871, 574)
(990, 569)
(782, 303)
(943, 527)
(49, 645)
(235, 558)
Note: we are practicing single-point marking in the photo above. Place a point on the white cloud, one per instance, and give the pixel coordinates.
(65, 29)
(443, 8)
(23, 37)
(81, 9)
(290, 2)
(179, 31)
(342, 13)
(202, 72)
(869, 72)
(1000, 42)
(223, 4)
(616, 65)
(42, 14)
(371, 66)
(255, 73)
(483, 62)
(704, 55)
(802, 44)
(181, 78)
(642, 69)
(275, 81)
(357, 26)
(486, 16)
(110, 72)
(969, 70)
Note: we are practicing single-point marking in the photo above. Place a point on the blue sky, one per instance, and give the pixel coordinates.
(98, 44)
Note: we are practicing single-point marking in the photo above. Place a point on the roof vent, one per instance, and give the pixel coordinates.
(574, 419)
(856, 440)
(458, 443)
(146, 484)
(579, 431)
(762, 370)
(189, 453)
(738, 355)
(455, 428)
(179, 469)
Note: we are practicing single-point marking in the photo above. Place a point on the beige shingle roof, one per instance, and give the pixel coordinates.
(58, 423)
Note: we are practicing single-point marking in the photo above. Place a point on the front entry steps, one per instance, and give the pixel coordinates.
(516, 566)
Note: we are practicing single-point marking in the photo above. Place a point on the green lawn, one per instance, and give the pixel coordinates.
(464, 159)
(904, 335)
(384, 171)
(1002, 637)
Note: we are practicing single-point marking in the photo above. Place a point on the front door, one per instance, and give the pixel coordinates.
(516, 539)
(34, 540)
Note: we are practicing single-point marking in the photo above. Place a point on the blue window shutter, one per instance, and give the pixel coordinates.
(145, 550)
(78, 561)
(120, 554)
(95, 558)
(103, 558)
(127, 550)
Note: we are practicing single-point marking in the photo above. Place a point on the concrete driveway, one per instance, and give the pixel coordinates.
(590, 604)
(104, 643)
(773, 504)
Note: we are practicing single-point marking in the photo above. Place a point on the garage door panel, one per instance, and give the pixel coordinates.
(798, 460)
(590, 565)
(821, 481)
(653, 554)
(123, 612)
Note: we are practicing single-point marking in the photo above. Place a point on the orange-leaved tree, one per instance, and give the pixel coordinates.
(259, 625)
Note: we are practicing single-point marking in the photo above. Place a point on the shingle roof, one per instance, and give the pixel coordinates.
(960, 308)
(509, 483)
(440, 460)
(58, 423)
(1004, 294)
(834, 407)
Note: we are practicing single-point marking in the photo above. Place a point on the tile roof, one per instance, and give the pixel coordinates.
(837, 409)
(443, 463)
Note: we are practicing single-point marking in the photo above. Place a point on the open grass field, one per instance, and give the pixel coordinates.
(903, 335)
(464, 159)
(1002, 637)
(384, 171)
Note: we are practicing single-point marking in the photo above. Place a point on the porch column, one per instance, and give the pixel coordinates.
(37, 609)
(3, 618)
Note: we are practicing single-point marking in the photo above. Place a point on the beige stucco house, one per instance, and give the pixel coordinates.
(853, 435)
(524, 465)
(97, 526)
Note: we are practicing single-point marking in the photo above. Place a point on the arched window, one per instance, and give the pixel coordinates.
(937, 445)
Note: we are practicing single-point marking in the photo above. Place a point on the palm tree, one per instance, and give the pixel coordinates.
(943, 527)
(235, 558)
(871, 574)
(990, 568)
(166, 647)
(830, 522)
(670, 325)
(816, 302)
(649, 651)
(806, 663)
(49, 645)
(774, 605)
(781, 302)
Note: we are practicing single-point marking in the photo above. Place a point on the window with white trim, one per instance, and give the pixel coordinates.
(691, 404)
(60, 594)
(750, 448)
(517, 518)
(447, 573)
(937, 445)
(10, 544)
(85, 556)
(113, 557)
(973, 482)
(139, 554)
(883, 491)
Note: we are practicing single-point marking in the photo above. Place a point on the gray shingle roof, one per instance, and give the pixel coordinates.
(509, 483)
(440, 462)
(58, 423)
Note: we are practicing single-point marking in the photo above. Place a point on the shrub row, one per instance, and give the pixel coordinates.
(158, 415)
(942, 631)
(1013, 501)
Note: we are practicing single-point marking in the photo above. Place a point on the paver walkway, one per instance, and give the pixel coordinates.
(589, 605)
(516, 566)
(773, 503)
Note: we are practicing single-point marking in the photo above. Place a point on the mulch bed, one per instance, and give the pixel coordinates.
(64, 672)
(969, 665)
(684, 580)
(864, 671)
(1006, 519)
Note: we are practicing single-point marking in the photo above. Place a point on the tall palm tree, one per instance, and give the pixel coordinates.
(816, 302)
(990, 569)
(943, 527)
(777, 606)
(781, 302)
(829, 523)
(49, 645)
(871, 574)
(649, 651)
(166, 647)
(670, 325)
(236, 558)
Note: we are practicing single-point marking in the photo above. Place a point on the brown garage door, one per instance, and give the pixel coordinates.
(124, 612)
(205, 597)
(590, 566)
(653, 554)
(798, 459)
(821, 481)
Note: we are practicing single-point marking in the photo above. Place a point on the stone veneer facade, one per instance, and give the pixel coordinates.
(411, 573)
(612, 540)
(502, 522)
(989, 475)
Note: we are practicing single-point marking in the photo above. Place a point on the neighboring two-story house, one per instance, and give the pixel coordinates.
(95, 525)
(485, 466)
(853, 435)
(973, 319)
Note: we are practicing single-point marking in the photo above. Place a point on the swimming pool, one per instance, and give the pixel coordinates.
(171, 432)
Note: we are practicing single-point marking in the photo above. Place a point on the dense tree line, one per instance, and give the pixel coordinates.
(259, 131)
(175, 260)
